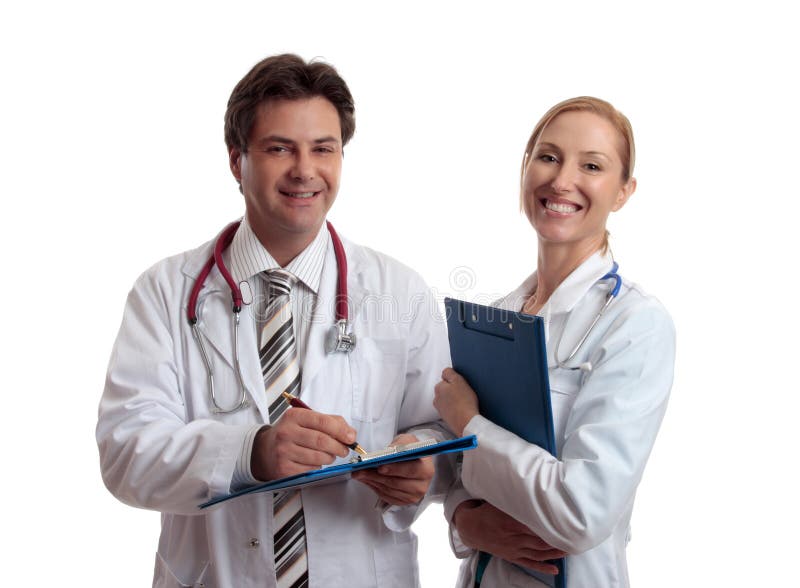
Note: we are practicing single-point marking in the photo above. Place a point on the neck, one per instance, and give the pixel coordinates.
(556, 261)
(283, 246)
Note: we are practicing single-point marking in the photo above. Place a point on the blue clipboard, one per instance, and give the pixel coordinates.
(501, 353)
(345, 469)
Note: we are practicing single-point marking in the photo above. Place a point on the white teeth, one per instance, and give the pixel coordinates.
(560, 206)
(300, 194)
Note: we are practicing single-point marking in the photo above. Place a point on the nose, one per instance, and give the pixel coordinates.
(302, 168)
(563, 180)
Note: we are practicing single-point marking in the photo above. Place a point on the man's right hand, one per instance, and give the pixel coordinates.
(483, 527)
(302, 440)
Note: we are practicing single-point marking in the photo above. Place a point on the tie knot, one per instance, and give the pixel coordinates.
(280, 281)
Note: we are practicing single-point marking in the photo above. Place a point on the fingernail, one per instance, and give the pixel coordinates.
(351, 436)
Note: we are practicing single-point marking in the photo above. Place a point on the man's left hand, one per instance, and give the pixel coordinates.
(400, 483)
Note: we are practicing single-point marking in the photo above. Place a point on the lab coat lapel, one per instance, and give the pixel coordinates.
(216, 324)
(214, 305)
(324, 316)
(579, 282)
(571, 291)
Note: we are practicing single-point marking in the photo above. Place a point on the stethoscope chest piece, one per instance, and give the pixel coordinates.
(339, 339)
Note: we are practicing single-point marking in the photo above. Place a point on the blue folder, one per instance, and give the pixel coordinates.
(345, 469)
(502, 355)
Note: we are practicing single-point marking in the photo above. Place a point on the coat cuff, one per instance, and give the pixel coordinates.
(242, 475)
(400, 518)
(456, 496)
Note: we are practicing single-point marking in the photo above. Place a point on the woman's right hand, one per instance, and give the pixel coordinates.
(483, 527)
(455, 400)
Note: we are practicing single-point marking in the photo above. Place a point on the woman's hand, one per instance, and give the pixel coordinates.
(455, 401)
(483, 527)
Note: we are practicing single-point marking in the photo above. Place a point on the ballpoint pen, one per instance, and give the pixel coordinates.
(297, 403)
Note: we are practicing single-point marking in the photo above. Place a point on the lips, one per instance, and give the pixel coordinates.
(560, 206)
(299, 195)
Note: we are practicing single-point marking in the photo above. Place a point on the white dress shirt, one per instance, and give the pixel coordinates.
(248, 261)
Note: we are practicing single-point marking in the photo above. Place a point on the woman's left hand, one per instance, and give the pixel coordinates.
(484, 527)
(456, 402)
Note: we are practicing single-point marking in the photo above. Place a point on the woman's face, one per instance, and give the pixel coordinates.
(574, 180)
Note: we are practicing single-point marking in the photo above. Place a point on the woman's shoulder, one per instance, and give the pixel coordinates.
(637, 305)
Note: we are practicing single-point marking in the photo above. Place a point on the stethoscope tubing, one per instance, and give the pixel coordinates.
(610, 297)
(223, 242)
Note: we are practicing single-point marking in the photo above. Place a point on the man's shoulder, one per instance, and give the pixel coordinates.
(375, 266)
(176, 268)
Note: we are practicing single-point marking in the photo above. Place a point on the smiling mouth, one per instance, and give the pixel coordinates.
(299, 195)
(561, 207)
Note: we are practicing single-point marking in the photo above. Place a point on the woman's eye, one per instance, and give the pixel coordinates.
(547, 157)
(592, 167)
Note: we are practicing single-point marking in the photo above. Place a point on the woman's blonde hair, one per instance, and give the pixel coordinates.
(627, 149)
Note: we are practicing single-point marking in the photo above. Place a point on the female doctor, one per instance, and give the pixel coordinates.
(519, 504)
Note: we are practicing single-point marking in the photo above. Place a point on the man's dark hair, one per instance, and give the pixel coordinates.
(285, 77)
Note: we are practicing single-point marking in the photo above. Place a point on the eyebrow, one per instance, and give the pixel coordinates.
(557, 148)
(596, 154)
(547, 146)
(279, 139)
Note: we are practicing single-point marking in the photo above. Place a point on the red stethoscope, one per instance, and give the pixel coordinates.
(338, 339)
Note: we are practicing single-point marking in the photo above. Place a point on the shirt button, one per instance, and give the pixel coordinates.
(254, 542)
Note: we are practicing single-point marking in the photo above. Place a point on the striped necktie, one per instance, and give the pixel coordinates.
(282, 373)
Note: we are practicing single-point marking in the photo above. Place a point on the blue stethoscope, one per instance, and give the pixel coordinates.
(339, 338)
(612, 294)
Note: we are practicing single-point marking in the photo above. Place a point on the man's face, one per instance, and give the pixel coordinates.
(290, 171)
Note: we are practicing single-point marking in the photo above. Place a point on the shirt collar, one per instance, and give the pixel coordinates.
(249, 257)
(569, 292)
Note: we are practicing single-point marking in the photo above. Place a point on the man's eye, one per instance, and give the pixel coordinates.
(324, 150)
(276, 149)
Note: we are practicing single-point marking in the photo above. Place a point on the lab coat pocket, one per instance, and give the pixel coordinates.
(164, 578)
(379, 367)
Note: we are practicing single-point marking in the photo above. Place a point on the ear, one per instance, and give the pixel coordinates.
(235, 163)
(625, 192)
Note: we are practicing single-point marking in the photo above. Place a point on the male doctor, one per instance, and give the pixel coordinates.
(166, 445)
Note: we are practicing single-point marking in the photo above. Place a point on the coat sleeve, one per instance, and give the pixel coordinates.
(151, 455)
(574, 503)
(455, 496)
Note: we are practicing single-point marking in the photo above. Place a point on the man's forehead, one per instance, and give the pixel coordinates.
(308, 116)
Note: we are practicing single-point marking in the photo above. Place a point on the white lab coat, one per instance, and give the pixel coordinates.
(605, 426)
(161, 447)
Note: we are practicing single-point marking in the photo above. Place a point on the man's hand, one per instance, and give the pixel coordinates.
(456, 402)
(400, 483)
(302, 440)
(483, 527)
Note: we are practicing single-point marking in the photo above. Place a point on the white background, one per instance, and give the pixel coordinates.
(113, 157)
